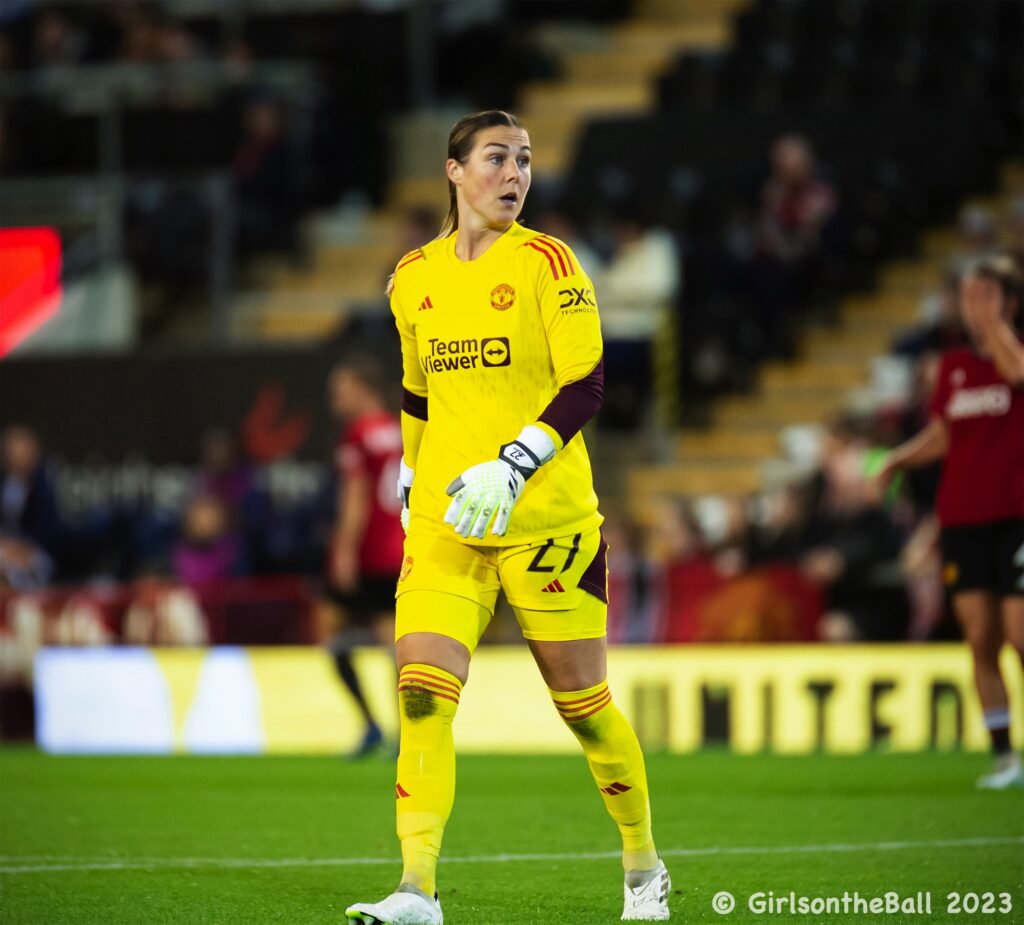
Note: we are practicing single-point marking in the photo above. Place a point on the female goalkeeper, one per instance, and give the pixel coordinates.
(502, 367)
(977, 425)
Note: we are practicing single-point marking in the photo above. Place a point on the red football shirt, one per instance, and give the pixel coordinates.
(983, 474)
(371, 446)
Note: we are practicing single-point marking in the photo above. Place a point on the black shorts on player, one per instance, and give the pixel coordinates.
(374, 596)
(985, 557)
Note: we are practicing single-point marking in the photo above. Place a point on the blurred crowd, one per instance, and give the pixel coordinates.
(228, 524)
(826, 554)
(831, 530)
(779, 263)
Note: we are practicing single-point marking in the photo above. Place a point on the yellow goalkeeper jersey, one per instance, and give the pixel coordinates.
(488, 343)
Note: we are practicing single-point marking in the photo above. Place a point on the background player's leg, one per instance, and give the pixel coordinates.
(432, 669)
(1011, 610)
(340, 644)
(979, 617)
(384, 631)
(574, 672)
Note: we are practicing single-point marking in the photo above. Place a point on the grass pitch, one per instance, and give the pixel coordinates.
(266, 840)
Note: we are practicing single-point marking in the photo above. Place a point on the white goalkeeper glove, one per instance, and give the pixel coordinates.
(404, 486)
(488, 491)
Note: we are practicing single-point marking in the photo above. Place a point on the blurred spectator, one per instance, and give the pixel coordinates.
(227, 475)
(264, 184)
(796, 244)
(630, 611)
(237, 58)
(636, 291)
(80, 622)
(176, 43)
(853, 548)
(714, 597)
(31, 528)
(682, 569)
(781, 535)
(223, 472)
(979, 238)
(209, 550)
(640, 281)
(730, 552)
(23, 565)
(163, 614)
(795, 203)
(140, 37)
(21, 635)
(56, 42)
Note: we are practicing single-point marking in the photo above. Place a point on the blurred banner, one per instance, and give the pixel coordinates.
(785, 699)
(156, 406)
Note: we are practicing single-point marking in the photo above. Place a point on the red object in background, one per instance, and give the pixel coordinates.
(775, 603)
(269, 431)
(30, 291)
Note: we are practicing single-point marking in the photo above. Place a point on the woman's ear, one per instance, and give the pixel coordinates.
(454, 170)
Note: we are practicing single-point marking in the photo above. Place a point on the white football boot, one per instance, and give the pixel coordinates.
(649, 901)
(1007, 773)
(406, 906)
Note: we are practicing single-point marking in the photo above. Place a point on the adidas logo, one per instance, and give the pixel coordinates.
(554, 588)
(425, 304)
(615, 789)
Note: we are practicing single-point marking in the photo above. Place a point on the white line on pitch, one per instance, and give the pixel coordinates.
(37, 864)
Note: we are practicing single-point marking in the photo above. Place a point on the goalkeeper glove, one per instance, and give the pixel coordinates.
(404, 486)
(490, 489)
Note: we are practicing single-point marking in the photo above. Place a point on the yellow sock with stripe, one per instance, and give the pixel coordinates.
(425, 790)
(617, 764)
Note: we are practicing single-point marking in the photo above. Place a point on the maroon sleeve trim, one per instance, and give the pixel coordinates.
(575, 404)
(414, 405)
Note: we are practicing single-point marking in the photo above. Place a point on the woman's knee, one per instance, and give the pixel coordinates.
(1012, 612)
(978, 615)
(433, 649)
(571, 665)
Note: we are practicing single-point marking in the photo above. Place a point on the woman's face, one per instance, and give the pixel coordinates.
(982, 302)
(493, 183)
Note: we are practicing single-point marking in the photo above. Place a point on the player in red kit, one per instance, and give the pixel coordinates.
(977, 424)
(366, 548)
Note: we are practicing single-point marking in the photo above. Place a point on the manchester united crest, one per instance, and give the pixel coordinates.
(503, 297)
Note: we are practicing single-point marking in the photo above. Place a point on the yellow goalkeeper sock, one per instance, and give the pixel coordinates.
(425, 790)
(617, 764)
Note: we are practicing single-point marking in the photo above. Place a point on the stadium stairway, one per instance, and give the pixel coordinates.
(744, 451)
(604, 71)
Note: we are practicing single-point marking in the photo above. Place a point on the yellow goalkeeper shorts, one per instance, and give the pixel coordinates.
(557, 587)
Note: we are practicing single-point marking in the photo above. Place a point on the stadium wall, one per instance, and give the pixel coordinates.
(784, 699)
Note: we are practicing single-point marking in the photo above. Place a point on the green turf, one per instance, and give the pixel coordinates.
(66, 812)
